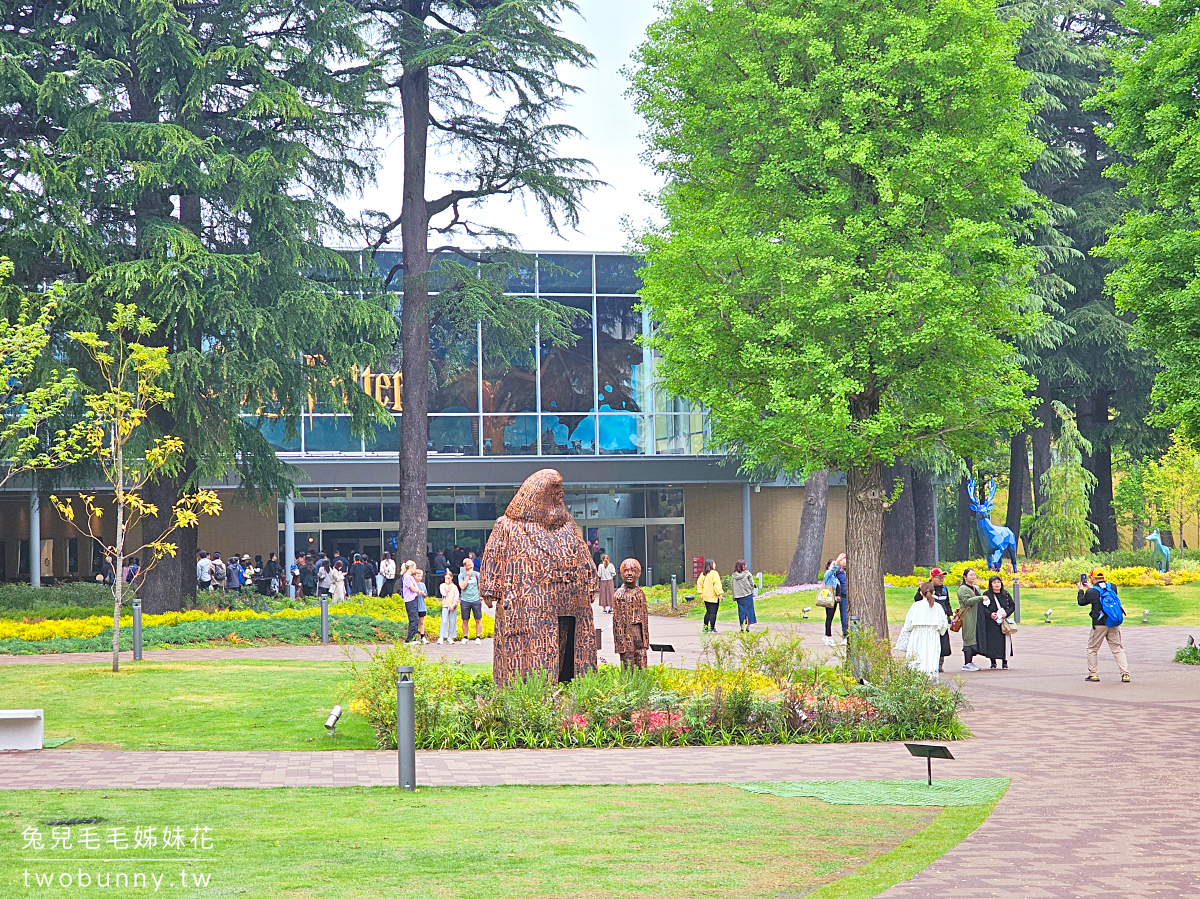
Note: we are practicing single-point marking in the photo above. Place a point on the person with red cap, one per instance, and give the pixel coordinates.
(941, 595)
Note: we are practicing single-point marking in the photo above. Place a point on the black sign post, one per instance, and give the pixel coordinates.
(929, 753)
(660, 648)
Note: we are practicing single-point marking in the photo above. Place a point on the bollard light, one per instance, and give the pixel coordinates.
(804, 612)
(1049, 612)
(406, 729)
(137, 629)
(332, 720)
(1146, 616)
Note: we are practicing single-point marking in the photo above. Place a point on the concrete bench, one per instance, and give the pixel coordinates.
(22, 728)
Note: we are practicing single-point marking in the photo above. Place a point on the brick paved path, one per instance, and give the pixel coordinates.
(1104, 798)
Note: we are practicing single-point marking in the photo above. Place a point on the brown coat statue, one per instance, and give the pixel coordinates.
(537, 572)
(630, 621)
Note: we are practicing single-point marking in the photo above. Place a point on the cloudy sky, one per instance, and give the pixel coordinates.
(610, 29)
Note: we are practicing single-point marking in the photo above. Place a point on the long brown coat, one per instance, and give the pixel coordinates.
(630, 623)
(536, 569)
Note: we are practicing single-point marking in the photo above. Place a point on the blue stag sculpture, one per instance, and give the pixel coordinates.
(995, 538)
(1162, 555)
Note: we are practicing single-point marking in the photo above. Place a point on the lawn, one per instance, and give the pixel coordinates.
(1168, 605)
(674, 842)
(227, 704)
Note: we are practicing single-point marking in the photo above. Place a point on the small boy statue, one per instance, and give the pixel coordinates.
(630, 626)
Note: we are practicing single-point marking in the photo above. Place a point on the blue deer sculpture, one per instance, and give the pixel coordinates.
(1162, 555)
(996, 539)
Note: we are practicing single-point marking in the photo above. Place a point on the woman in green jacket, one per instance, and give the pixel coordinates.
(968, 602)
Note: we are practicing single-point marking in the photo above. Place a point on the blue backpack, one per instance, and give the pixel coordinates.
(1111, 605)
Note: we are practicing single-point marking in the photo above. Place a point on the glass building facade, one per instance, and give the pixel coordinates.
(592, 409)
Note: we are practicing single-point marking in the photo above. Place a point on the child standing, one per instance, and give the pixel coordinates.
(422, 609)
(449, 591)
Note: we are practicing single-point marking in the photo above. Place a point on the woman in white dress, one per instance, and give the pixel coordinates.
(337, 591)
(605, 572)
(921, 638)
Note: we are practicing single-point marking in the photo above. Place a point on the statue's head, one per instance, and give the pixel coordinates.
(981, 508)
(1153, 537)
(540, 501)
(631, 570)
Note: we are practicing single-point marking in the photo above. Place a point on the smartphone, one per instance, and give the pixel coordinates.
(1083, 580)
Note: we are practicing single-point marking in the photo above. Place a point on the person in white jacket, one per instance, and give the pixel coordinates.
(921, 638)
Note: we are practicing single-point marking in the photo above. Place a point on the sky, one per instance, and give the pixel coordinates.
(610, 29)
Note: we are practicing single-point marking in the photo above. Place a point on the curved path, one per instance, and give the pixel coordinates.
(1105, 795)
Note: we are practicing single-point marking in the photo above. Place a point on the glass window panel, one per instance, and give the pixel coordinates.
(523, 279)
(349, 504)
(275, 430)
(454, 435)
(618, 327)
(568, 435)
(621, 504)
(510, 435)
(621, 435)
(472, 541)
(664, 552)
(388, 263)
(454, 356)
(440, 503)
(564, 273)
(383, 439)
(329, 434)
(620, 543)
(618, 274)
(307, 506)
(567, 381)
(391, 505)
(509, 380)
(576, 504)
(679, 434)
(664, 503)
(470, 506)
(72, 554)
(391, 542)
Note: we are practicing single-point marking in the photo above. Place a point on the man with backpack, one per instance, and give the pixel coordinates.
(1107, 615)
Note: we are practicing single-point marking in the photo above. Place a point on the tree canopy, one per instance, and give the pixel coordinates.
(837, 277)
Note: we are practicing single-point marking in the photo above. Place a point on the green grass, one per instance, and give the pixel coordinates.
(223, 704)
(1168, 605)
(674, 842)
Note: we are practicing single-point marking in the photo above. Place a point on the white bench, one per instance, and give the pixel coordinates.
(22, 728)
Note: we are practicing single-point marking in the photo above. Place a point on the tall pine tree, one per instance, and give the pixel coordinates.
(185, 156)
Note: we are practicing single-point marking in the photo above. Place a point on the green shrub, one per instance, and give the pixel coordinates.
(1188, 655)
(78, 594)
(755, 690)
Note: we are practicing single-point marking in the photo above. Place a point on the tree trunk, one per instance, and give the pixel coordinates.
(899, 522)
(1099, 462)
(161, 587)
(966, 520)
(1041, 447)
(1139, 535)
(864, 547)
(924, 518)
(1018, 482)
(806, 560)
(414, 322)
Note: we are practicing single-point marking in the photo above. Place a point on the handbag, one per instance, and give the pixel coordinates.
(956, 622)
(1007, 627)
(825, 598)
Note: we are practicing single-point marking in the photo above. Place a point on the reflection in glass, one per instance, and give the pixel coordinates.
(307, 507)
(382, 439)
(275, 432)
(664, 504)
(664, 552)
(618, 274)
(441, 505)
(472, 541)
(510, 435)
(621, 435)
(329, 434)
(567, 382)
(454, 357)
(473, 507)
(454, 435)
(679, 434)
(564, 273)
(509, 380)
(349, 504)
(389, 264)
(618, 327)
(576, 504)
(621, 504)
(568, 435)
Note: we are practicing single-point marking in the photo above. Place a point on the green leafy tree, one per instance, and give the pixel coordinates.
(1172, 486)
(36, 393)
(1155, 113)
(836, 277)
(115, 422)
(1130, 503)
(186, 158)
(483, 81)
(1060, 526)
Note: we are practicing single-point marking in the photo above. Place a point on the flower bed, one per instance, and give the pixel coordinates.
(755, 689)
(371, 621)
(1065, 572)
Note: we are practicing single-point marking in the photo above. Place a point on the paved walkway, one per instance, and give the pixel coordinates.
(1104, 776)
